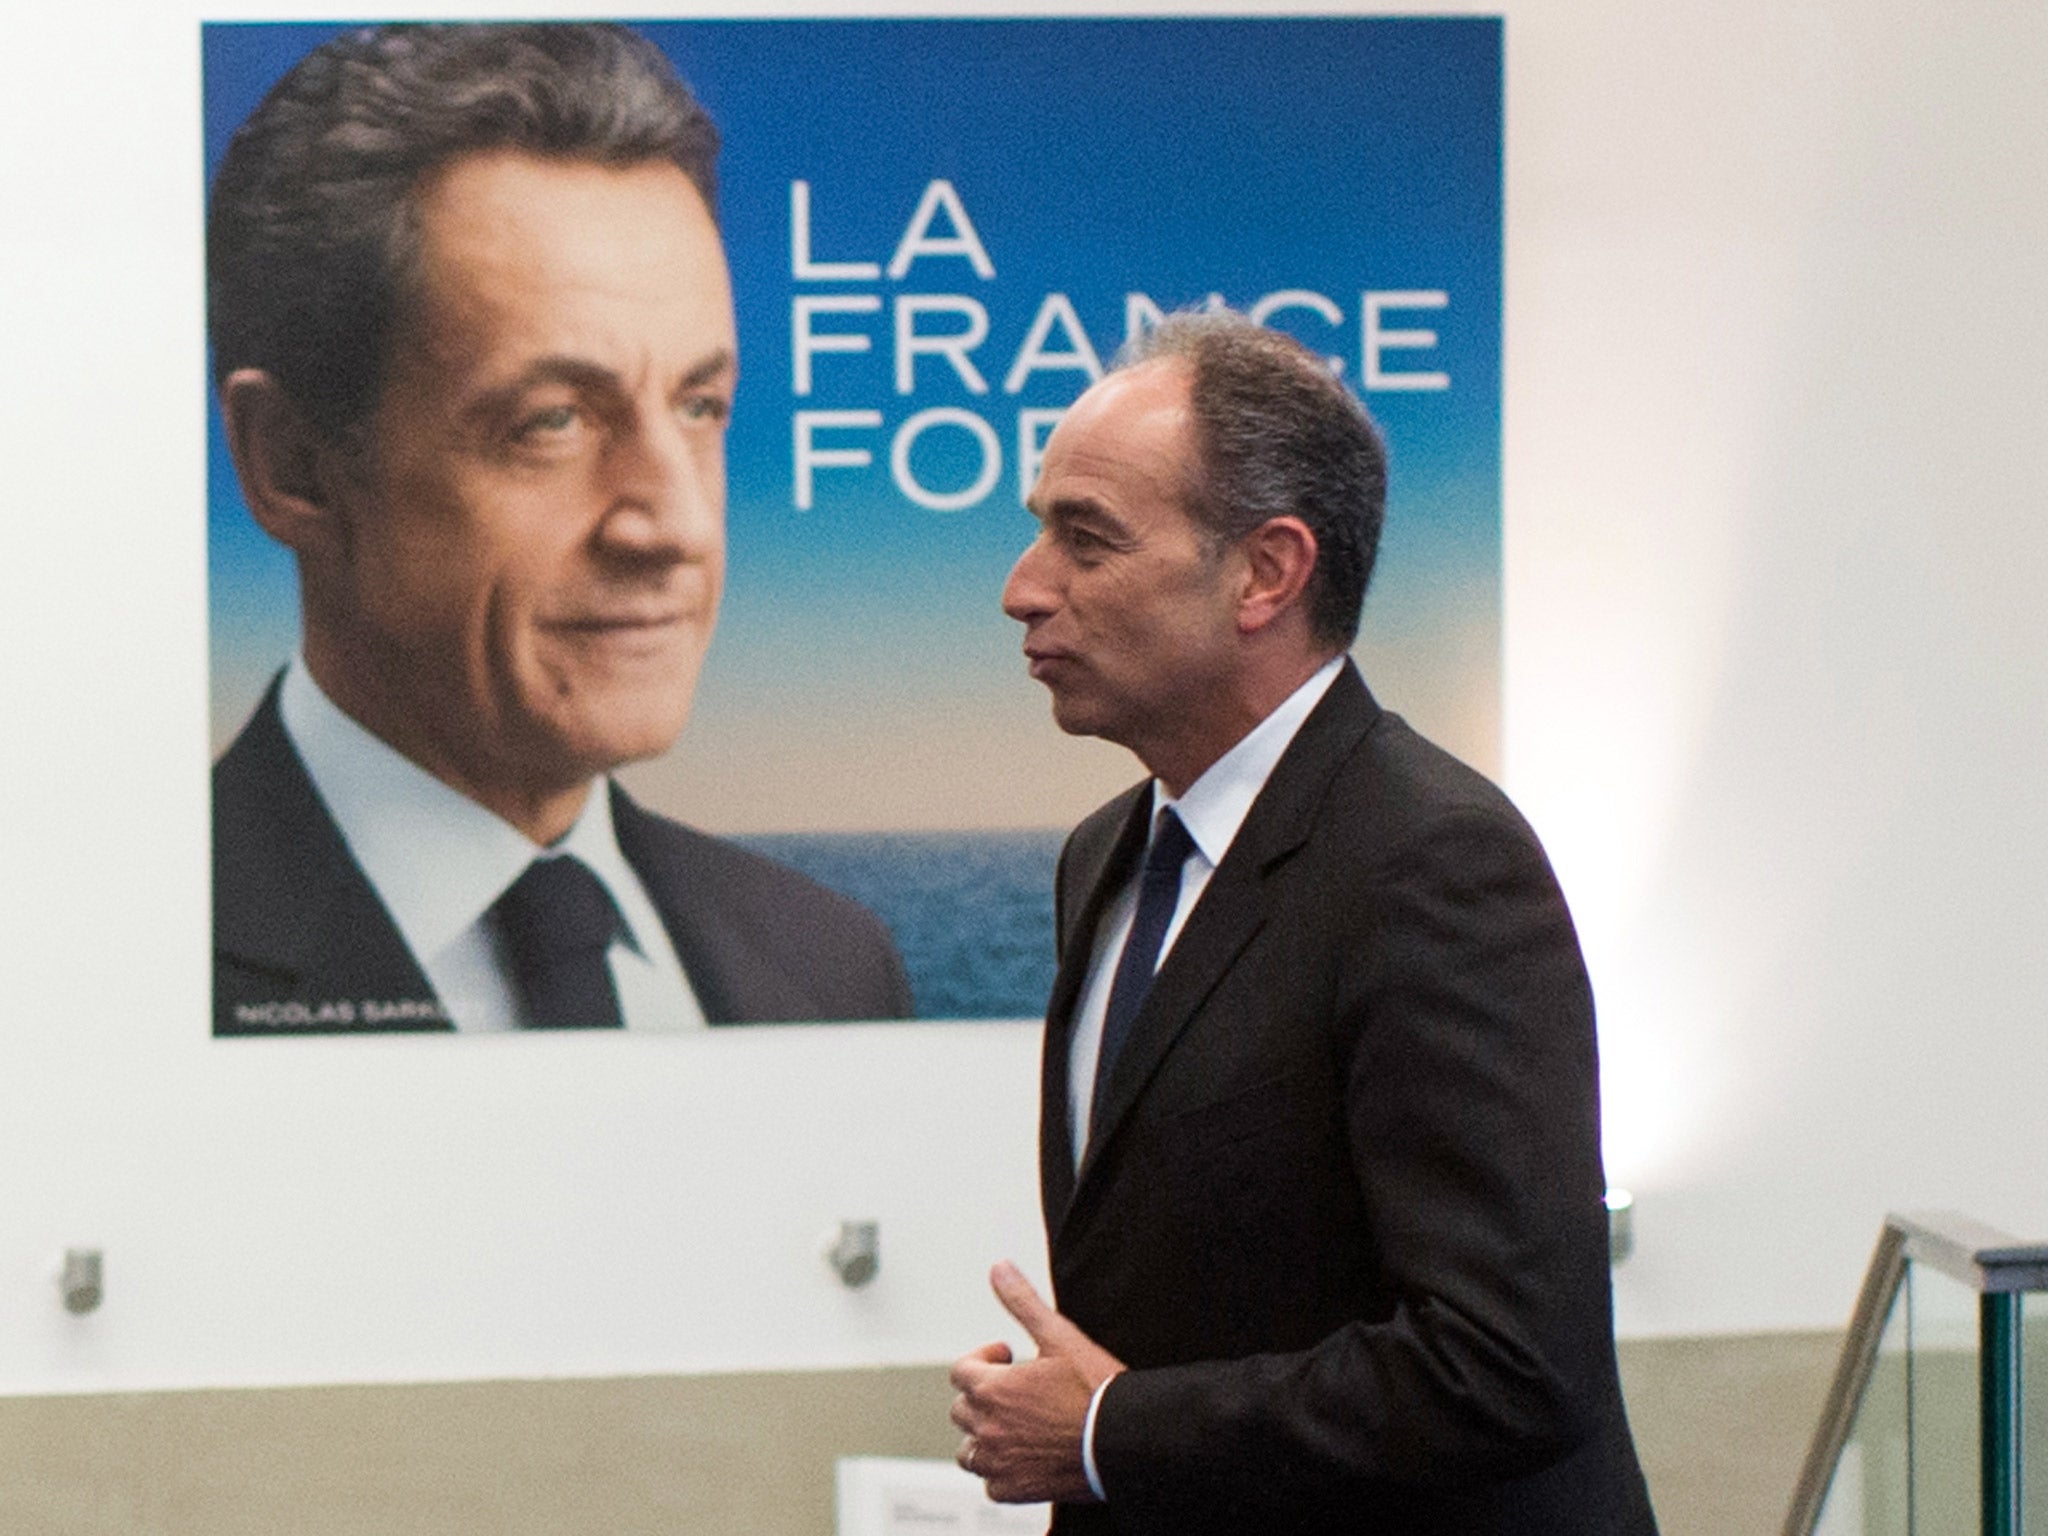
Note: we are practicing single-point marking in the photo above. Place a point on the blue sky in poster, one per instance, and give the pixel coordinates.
(1092, 160)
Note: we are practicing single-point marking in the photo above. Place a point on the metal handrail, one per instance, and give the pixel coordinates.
(1987, 1260)
(2000, 1268)
(1852, 1375)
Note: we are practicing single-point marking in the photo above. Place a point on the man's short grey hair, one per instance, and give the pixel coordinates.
(312, 230)
(1277, 435)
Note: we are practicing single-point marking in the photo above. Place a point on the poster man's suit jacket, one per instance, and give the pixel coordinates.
(303, 945)
(1342, 1210)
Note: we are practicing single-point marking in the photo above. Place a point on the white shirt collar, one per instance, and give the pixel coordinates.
(436, 858)
(1213, 810)
(1216, 804)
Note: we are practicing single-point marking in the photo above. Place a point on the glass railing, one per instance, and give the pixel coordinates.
(1937, 1421)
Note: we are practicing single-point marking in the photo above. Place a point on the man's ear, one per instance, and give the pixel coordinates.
(1280, 557)
(285, 464)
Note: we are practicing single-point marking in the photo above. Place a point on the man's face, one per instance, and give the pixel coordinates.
(530, 547)
(1129, 613)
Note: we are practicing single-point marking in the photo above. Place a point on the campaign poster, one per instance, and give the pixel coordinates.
(939, 233)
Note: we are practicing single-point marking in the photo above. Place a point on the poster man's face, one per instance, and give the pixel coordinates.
(532, 546)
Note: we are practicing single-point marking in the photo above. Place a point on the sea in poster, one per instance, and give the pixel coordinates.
(939, 232)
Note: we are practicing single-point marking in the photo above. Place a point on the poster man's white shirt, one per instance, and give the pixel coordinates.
(438, 860)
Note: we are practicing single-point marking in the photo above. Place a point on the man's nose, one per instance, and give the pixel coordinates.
(666, 486)
(1027, 594)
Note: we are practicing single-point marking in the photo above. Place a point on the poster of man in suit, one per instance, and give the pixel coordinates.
(928, 252)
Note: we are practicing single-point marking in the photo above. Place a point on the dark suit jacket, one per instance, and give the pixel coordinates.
(301, 943)
(1342, 1212)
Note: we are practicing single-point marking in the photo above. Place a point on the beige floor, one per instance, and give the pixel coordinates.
(1722, 1425)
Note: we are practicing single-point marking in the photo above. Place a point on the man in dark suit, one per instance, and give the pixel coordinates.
(473, 336)
(1320, 1142)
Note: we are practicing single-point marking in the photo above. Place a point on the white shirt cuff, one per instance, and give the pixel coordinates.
(1088, 1442)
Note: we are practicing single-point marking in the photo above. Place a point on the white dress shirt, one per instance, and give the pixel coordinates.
(438, 861)
(1213, 809)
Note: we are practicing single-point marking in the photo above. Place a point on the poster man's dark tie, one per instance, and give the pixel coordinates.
(557, 921)
(1158, 895)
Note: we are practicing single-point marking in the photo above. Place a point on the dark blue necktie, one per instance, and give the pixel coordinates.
(557, 921)
(1158, 895)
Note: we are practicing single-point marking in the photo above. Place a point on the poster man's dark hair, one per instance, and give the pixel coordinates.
(311, 230)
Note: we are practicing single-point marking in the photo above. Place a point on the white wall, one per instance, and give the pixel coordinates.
(1776, 679)
(1776, 698)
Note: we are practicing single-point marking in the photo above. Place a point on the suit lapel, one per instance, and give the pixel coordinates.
(290, 901)
(1224, 921)
(695, 927)
(1232, 908)
(1099, 859)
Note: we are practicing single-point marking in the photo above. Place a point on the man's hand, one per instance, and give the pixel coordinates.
(1023, 1419)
